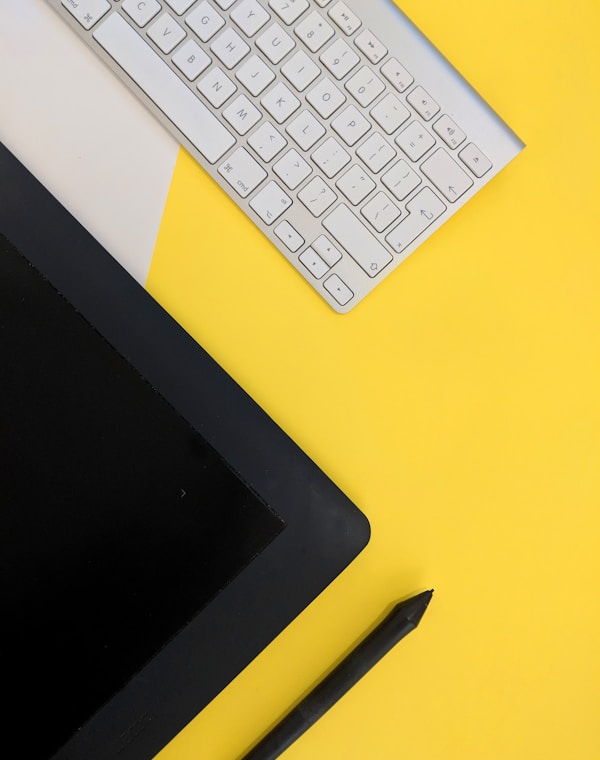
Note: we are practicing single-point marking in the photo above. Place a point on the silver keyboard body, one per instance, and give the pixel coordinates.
(337, 127)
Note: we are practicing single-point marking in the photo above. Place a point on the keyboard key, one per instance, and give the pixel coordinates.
(351, 125)
(242, 172)
(330, 157)
(224, 4)
(401, 180)
(380, 212)
(300, 70)
(275, 43)
(476, 161)
(255, 75)
(339, 59)
(164, 88)
(390, 113)
(314, 31)
(289, 235)
(250, 17)
(446, 175)
(191, 60)
(368, 43)
(376, 152)
(177, 6)
(397, 75)
(356, 239)
(242, 114)
(415, 141)
(338, 289)
(365, 86)
(288, 10)
(317, 196)
(423, 103)
(306, 130)
(292, 169)
(423, 210)
(141, 13)
(204, 21)
(267, 141)
(280, 102)
(271, 202)
(449, 132)
(355, 184)
(166, 33)
(216, 87)
(87, 12)
(326, 250)
(314, 263)
(347, 21)
(326, 98)
(229, 48)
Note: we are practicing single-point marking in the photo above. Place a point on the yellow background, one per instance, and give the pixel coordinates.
(457, 405)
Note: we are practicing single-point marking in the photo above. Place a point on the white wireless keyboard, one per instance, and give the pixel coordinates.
(336, 126)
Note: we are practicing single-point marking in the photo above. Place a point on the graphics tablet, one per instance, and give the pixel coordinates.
(157, 528)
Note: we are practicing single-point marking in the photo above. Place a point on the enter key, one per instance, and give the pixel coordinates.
(423, 210)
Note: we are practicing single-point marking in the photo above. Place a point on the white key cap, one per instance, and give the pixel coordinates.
(141, 13)
(166, 33)
(224, 4)
(355, 184)
(191, 60)
(452, 135)
(271, 202)
(255, 75)
(300, 70)
(356, 239)
(322, 3)
(401, 180)
(275, 43)
(289, 10)
(326, 250)
(292, 169)
(380, 212)
(204, 21)
(415, 141)
(314, 263)
(326, 98)
(250, 17)
(397, 75)
(347, 21)
(306, 130)
(330, 157)
(216, 87)
(423, 103)
(164, 88)
(351, 125)
(267, 141)
(242, 114)
(376, 152)
(242, 172)
(423, 210)
(314, 31)
(368, 43)
(178, 6)
(365, 86)
(339, 59)
(338, 288)
(446, 175)
(317, 196)
(289, 236)
(477, 162)
(229, 48)
(280, 102)
(87, 12)
(390, 113)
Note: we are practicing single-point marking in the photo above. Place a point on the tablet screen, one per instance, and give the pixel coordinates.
(119, 522)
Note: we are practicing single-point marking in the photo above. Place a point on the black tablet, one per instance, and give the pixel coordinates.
(157, 528)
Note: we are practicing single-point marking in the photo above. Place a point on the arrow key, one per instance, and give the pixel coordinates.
(446, 175)
(289, 236)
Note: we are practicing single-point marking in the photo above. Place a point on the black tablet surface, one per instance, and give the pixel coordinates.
(157, 529)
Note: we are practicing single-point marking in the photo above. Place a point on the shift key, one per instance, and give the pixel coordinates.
(356, 239)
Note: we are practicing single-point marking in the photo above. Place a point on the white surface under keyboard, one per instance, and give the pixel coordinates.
(324, 120)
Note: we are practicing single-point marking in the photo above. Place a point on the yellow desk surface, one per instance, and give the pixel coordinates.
(458, 405)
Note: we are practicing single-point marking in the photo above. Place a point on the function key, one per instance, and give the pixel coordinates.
(397, 75)
(347, 21)
(423, 103)
(475, 160)
(452, 135)
(368, 43)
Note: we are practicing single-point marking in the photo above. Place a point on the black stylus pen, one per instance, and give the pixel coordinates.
(403, 619)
